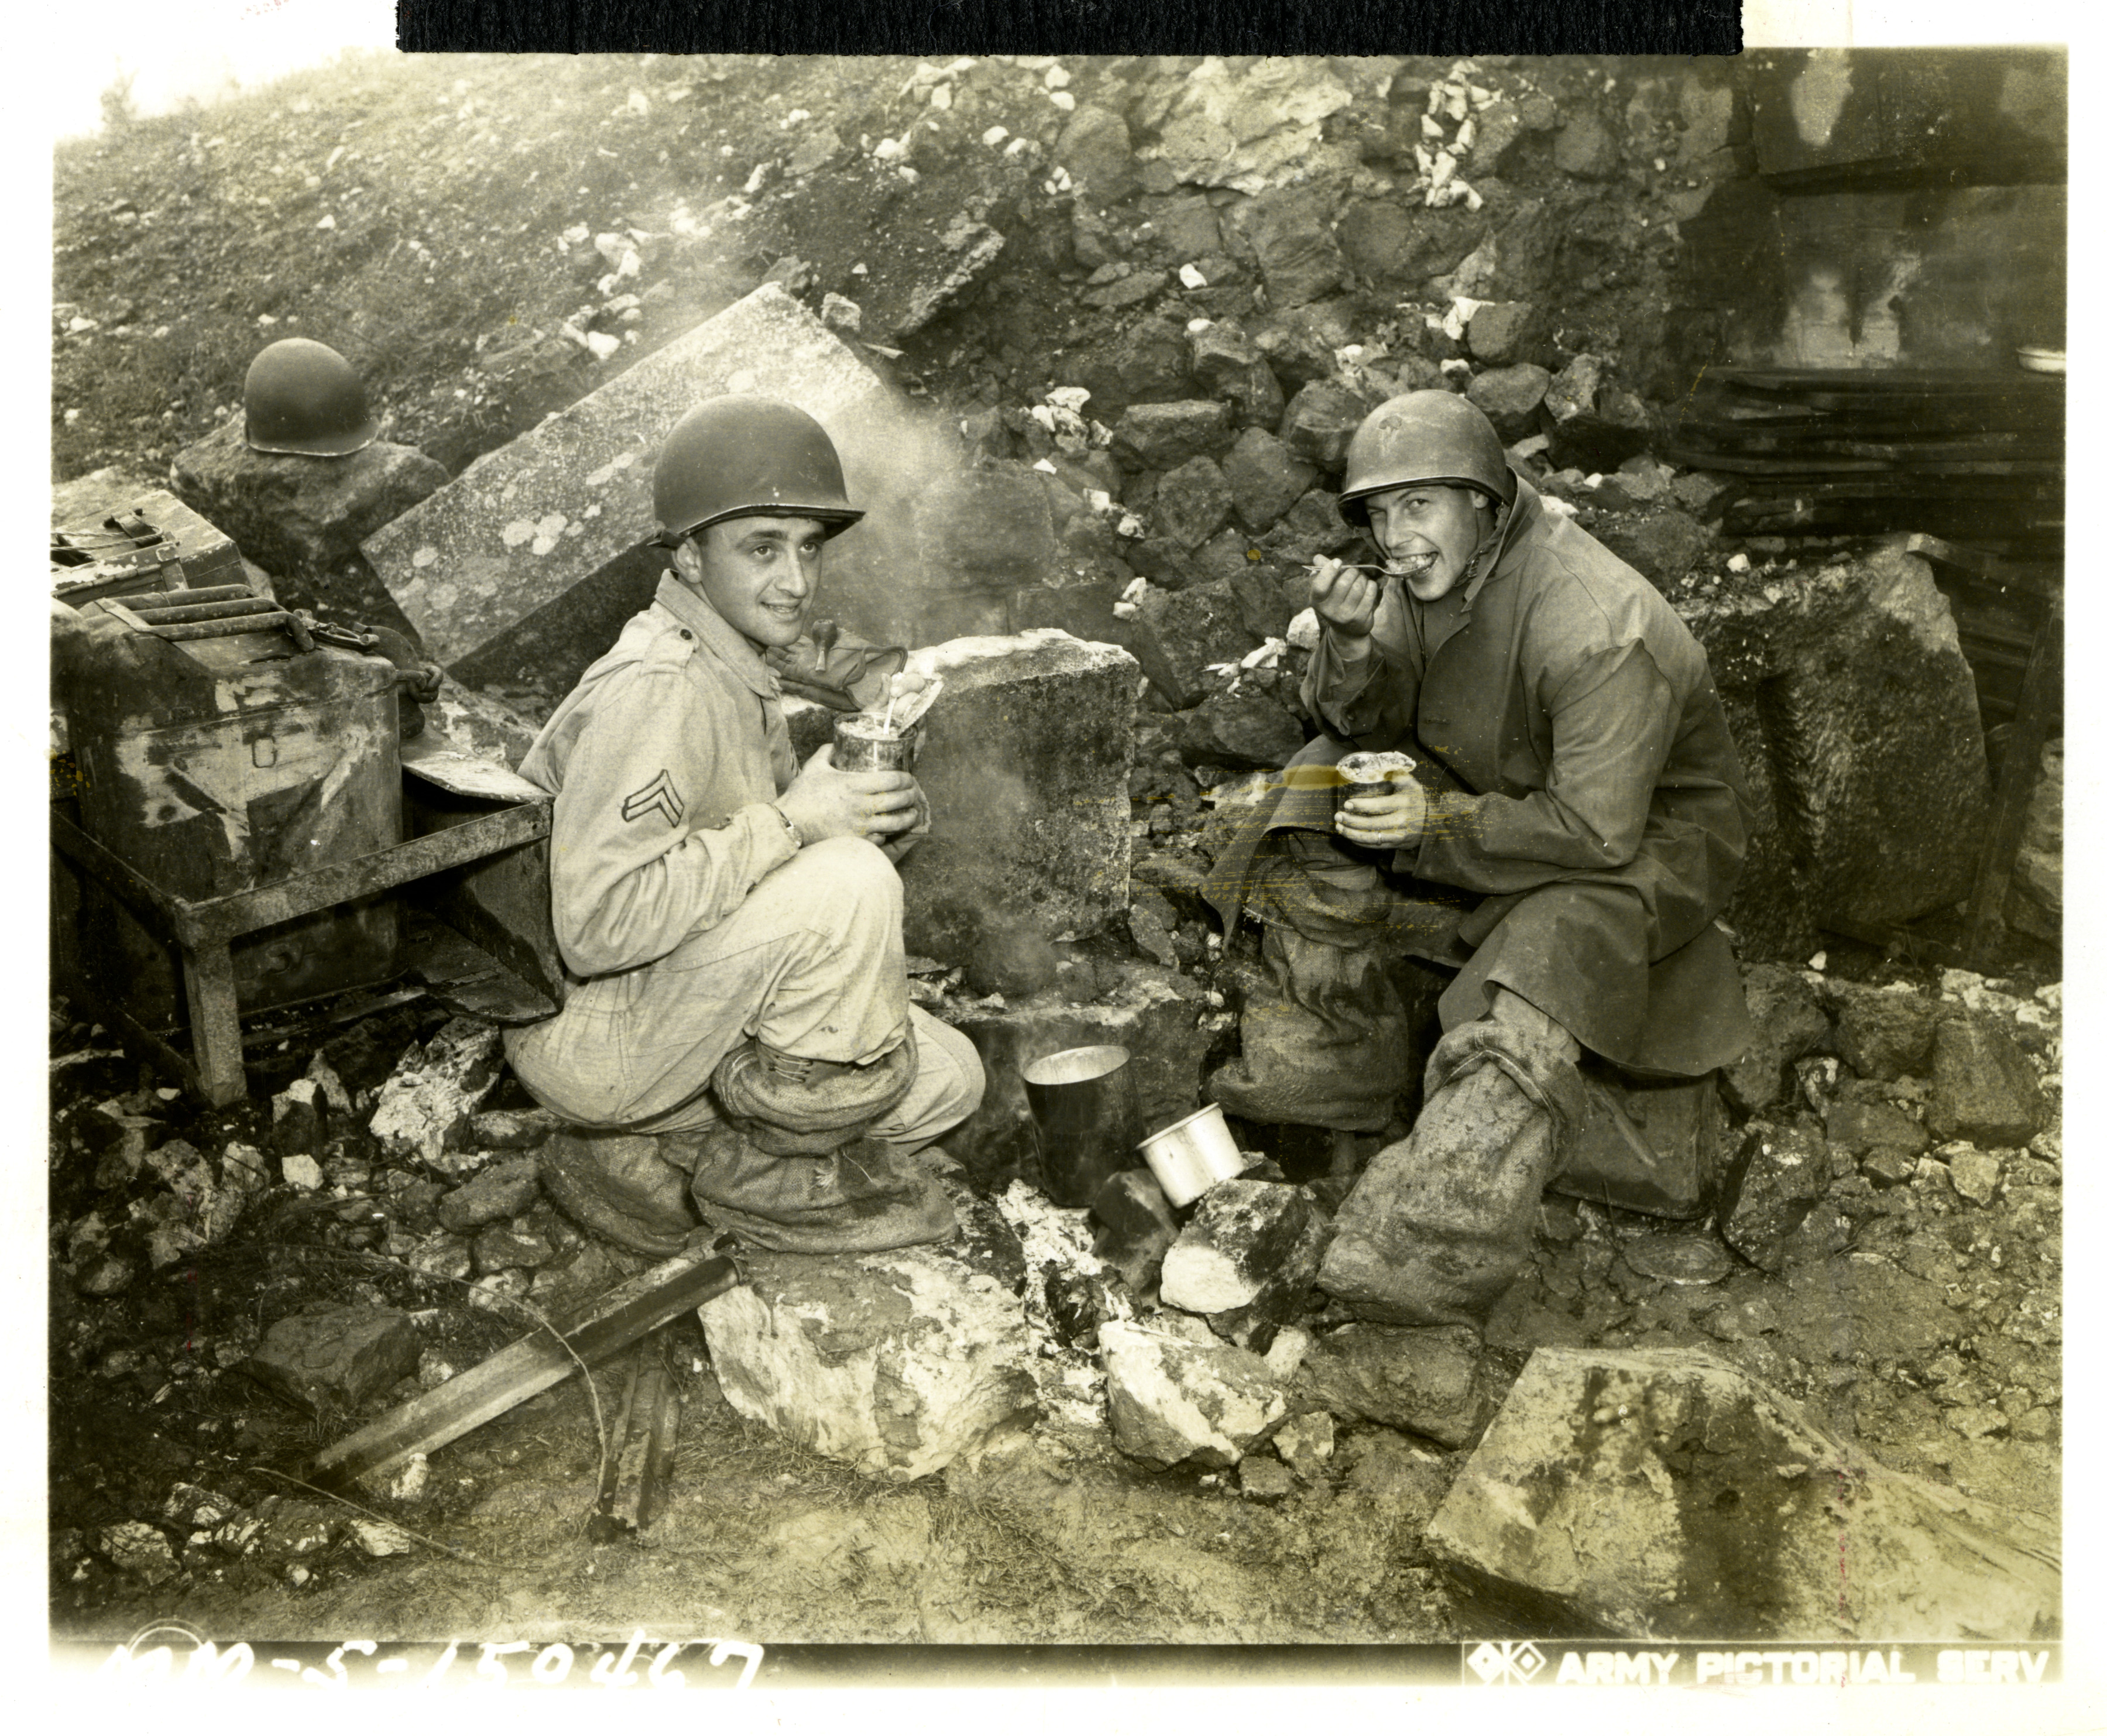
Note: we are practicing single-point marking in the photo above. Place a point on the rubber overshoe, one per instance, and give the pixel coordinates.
(861, 1198)
(619, 1187)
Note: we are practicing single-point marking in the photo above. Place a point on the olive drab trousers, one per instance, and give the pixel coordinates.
(811, 963)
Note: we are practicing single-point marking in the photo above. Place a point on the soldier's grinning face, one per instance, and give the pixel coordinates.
(762, 574)
(1428, 532)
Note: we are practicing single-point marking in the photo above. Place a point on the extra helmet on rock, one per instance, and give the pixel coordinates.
(1423, 437)
(734, 457)
(303, 396)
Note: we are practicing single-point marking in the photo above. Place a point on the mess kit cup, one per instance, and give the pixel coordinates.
(1190, 1155)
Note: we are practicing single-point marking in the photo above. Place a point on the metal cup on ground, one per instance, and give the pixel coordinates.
(1190, 1155)
(1373, 774)
(864, 742)
(1082, 1110)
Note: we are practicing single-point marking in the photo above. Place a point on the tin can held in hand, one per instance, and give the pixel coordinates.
(862, 742)
(1365, 774)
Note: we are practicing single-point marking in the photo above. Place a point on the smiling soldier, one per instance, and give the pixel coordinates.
(730, 922)
(1576, 823)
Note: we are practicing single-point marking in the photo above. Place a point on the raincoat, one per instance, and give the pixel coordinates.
(1589, 805)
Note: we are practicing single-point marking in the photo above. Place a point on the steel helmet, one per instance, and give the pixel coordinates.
(303, 396)
(1423, 437)
(733, 457)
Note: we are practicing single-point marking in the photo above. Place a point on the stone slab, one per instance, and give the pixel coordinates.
(1025, 759)
(1669, 1496)
(486, 568)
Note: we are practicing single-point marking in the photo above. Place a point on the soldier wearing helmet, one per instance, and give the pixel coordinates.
(302, 397)
(1576, 822)
(730, 921)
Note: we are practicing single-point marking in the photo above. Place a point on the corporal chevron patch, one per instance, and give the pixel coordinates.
(657, 797)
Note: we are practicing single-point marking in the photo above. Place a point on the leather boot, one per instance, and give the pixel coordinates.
(1439, 1226)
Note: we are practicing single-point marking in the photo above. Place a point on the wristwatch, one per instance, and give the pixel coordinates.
(797, 836)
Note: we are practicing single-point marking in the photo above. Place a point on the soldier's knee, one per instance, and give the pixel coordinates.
(857, 877)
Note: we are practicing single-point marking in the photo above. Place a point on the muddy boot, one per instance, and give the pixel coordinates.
(1330, 1038)
(788, 1169)
(618, 1187)
(1439, 1226)
(862, 1198)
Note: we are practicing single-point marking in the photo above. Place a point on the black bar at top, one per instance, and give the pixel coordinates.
(1443, 27)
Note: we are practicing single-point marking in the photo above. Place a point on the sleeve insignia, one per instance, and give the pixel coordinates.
(658, 796)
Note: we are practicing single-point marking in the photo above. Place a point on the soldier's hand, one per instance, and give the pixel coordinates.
(1396, 821)
(1345, 598)
(824, 802)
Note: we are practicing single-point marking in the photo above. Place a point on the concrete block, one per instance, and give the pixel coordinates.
(1666, 1495)
(1867, 736)
(1025, 760)
(897, 1364)
(1174, 1401)
(532, 558)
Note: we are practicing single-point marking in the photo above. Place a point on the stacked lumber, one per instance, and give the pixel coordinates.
(1965, 453)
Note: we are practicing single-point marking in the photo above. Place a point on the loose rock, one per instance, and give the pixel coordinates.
(503, 1190)
(1788, 1022)
(1982, 1088)
(1511, 397)
(1249, 1252)
(1425, 1379)
(1161, 436)
(895, 1363)
(1264, 477)
(1319, 420)
(1192, 502)
(1777, 1177)
(1173, 1401)
(423, 1107)
(336, 1357)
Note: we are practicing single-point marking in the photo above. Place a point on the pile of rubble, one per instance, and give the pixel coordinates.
(1879, 1269)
